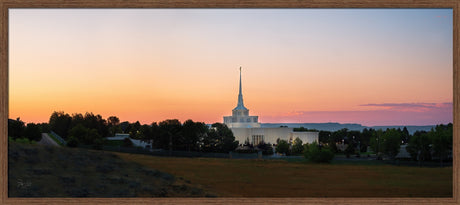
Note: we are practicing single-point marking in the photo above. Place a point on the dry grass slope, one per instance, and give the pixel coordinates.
(41, 171)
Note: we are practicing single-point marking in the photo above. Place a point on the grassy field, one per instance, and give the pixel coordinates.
(279, 178)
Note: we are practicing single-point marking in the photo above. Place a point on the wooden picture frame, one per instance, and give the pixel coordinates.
(5, 5)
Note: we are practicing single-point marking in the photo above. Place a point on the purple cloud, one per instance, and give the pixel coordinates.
(385, 114)
(416, 107)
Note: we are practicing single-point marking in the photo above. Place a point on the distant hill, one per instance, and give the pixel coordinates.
(45, 171)
(333, 126)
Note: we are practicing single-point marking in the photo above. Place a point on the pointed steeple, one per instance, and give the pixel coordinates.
(240, 105)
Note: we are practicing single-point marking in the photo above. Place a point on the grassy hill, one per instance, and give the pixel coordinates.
(42, 171)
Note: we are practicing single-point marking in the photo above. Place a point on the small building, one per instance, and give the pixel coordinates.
(137, 143)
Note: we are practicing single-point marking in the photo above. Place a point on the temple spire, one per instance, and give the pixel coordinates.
(240, 97)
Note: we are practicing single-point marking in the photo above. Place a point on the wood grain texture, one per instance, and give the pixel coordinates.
(456, 103)
(3, 102)
(230, 4)
(6, 4)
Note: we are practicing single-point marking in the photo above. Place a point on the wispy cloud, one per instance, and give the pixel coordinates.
(383, 114)
(414, 107)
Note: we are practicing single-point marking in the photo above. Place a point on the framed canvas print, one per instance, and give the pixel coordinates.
(229, 102)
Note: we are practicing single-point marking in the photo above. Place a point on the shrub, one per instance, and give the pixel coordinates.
(32, 131)
(72, 142)
(23, 140)
(283, 147)
(350, 150)
(297, 147)
(266, 148)
(316, 153)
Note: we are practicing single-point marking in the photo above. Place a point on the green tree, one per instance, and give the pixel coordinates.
(32, 132)
(154, 136)
(266, 148)
(306, 146)
(325, 137)
(351, 149)
(297, 147)
(93, 121)
(113, 125)
(219, 139)
(113, 121)
(114, 129)
(193, 133)
(77, 118)
(376, 140)
(16, 128)
(282, 147)
(60, 123)
(366, 136)
(405, 135)
(79, 132)
(44, 127)
(124, 126)
(144, 133)
(391, 143)
(84, 135)
(442, 141)
(419, 146)
(169, 134)
(303, 129)
(72, 142)
(318, 154)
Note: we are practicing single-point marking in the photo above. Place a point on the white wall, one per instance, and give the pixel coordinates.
(306, 137)
(272, 134)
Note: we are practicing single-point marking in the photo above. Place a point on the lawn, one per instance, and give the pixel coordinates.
(279, 178)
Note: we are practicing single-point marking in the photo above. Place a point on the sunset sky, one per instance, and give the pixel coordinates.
(367, 66)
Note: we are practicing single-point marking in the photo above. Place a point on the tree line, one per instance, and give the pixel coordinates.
(171, 134)
(18, 130)
(422, 145)
(437, 143)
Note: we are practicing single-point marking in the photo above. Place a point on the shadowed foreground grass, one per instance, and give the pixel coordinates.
(279, 178)
(43, 171)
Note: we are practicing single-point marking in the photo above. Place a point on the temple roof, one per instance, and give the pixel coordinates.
(240, 105)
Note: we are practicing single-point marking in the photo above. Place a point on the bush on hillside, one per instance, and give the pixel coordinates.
(72, 142)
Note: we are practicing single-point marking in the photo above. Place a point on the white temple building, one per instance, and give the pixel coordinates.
(240, 115)
(246, 127)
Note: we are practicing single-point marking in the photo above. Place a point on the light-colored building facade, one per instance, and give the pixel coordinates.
(137, 143)
(248, 128)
